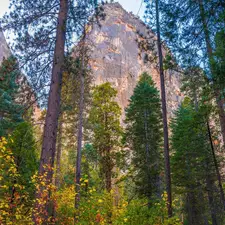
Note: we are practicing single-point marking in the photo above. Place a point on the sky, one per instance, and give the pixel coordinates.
(135, 6)
(129, 5)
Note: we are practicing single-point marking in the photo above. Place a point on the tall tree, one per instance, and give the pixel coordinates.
(10, 110)
(41, 38)
(189, 28)
(152, 11)
(143, 137)
(195, 85)
(59, 153)
(104, 118)
(193, 166)
(196, 111)
(84, 94)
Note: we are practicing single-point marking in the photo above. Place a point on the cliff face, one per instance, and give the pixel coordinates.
(4, 50)
(118, 58)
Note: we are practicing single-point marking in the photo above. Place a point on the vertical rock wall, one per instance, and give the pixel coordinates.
(4, 50)
(118, 58)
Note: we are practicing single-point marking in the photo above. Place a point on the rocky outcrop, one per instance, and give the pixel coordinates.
(4, 50)
(119, 57)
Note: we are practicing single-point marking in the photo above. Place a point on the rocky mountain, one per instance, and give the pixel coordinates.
(123, 47)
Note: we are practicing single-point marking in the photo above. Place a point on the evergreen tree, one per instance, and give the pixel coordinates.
(195, 85)
(190, 28)
(193, 168)
(154, 18)
(104, 118)
(42, 29)
(144, 136)
(10, 111)
(185, 163)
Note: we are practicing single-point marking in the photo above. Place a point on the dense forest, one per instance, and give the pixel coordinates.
(86, 159)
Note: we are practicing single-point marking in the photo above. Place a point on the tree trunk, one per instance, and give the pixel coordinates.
(192, 212)
(80, 128)
(211, 199)
(164, 114)
(108, 172)
(147, 150)
(216, 167)
(51, 121)
(219, 99)
(58, 155)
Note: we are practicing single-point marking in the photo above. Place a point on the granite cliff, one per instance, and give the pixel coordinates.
(119, 52)
(119, 55)
(4, 50)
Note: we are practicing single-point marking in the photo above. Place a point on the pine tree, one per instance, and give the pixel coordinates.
(104, 118)
(42, 29)
(187, 170)
(143, 137)
(153, 12)
(189, 28)
(195, 85)
(10, 111)
(194, 162)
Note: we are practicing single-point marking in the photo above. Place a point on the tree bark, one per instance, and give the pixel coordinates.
(211, 199)
(164, 115)
(80, 130)
(51, 121)
(58, 155)
(108, 172)
(219, 99)
(216, 167)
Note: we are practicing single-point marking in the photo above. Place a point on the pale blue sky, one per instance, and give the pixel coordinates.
(129, 5)
(135, 6)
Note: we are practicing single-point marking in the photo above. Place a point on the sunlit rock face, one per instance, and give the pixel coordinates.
(118, 58)
(4, 50)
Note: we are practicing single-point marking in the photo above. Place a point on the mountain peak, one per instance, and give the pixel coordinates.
(119, 55)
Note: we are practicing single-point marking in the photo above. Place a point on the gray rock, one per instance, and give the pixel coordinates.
(117, 58)
(4, 50)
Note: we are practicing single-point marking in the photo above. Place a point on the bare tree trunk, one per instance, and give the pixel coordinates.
(80, 130)
(219, 99)
(58, 155)
(164, 115)
(216, 167)
(211, 199)
(51, 121)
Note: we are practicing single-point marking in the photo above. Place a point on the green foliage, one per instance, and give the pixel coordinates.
(137, 212)
(193, 170)
(10, 111)
(219, 61)
(143, 136)
(96, 206)
(23, 146)
(104, 119)
(15, 202)
(195, 86)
